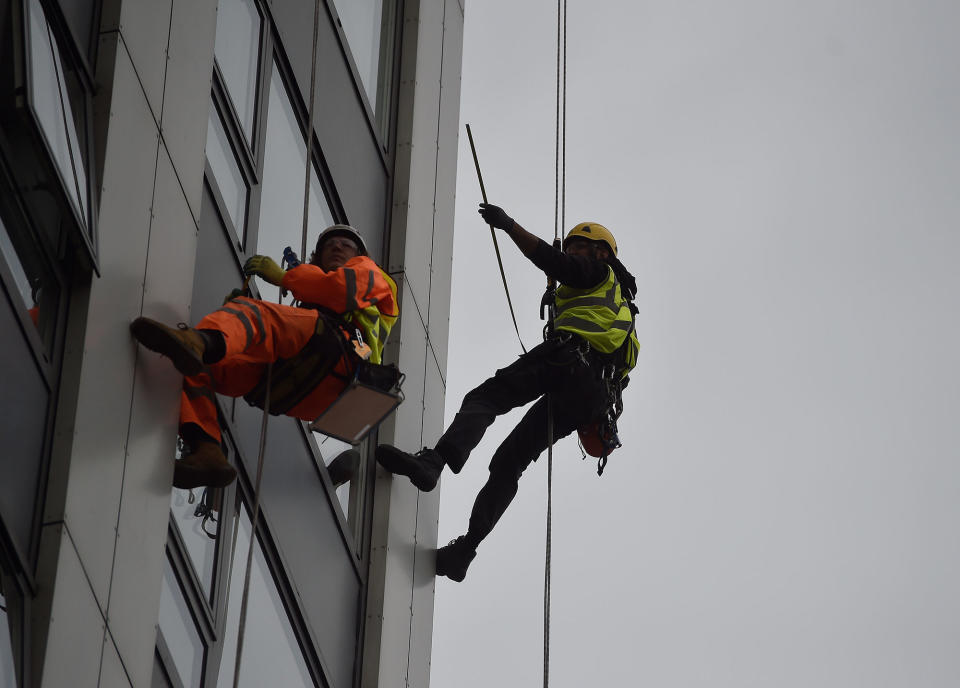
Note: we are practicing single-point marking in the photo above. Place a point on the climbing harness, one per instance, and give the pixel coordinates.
(372, 392)
(493, 235)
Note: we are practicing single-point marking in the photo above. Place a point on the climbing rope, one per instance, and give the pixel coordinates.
(266, 403)
(559, 219)
(493, 235)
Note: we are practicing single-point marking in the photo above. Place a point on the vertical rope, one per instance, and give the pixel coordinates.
(563, 162)
(556, 162)
(559, 218)
(310, 114)
(253, 533)
(241, 631)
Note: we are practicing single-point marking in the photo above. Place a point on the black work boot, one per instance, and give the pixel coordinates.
(454, 558)
(204, 466)
(184, 346)
(342, 469)
(423, 468)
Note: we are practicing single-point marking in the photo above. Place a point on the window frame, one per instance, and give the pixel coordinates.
(28, 132)
(380, 116)
(47, 359)
(354, 524)
(18, 593)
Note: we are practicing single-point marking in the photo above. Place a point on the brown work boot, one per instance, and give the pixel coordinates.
(204, 466)
(183, 346)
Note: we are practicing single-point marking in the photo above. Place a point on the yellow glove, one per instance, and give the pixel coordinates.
(265, 268)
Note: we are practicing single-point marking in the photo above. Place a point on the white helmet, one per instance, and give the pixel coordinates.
(342, 230)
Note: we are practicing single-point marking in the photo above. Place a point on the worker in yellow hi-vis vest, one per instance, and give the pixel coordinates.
(582, 366)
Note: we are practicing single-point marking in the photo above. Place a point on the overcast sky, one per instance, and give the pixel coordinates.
(781, 177)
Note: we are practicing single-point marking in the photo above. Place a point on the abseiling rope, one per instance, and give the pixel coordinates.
(266, 403)
(559, 218)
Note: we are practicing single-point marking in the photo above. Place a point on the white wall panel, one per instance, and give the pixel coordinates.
(168, 284)
(405, 528)
(449, 122)
(186, 101)
(144, 27)
(142, 528)
(75, 639)
(112, 673)
(106, 379)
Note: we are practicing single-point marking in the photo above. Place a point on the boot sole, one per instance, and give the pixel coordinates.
(187, 478)
(156, 337)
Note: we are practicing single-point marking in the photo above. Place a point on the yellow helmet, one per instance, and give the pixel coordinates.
(592, 232)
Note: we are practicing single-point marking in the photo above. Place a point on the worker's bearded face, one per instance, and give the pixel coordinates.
(336, 251)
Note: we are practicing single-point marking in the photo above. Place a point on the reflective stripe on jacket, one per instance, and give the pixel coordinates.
(600, 315)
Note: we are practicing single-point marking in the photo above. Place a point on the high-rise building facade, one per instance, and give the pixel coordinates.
(147, 149)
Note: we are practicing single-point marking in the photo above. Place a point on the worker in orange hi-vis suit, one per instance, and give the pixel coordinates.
(340, 289)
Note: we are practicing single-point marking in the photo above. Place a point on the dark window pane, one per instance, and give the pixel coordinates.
(54, 110)
(38, 290)
(23, 414)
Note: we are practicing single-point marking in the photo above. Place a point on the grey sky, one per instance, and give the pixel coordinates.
(781, 178)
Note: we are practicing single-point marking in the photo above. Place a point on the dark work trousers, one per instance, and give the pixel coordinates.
(577, 396)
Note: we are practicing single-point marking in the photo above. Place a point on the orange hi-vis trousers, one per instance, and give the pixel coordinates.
(255, 333)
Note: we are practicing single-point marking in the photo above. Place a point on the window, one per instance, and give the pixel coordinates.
(369, 27)
(281, 200)
(8, 668)
(237, 53)
(31, 276)
(270, 648)
(61, 128)
(230, 182)
(198, 535)
(179, 631)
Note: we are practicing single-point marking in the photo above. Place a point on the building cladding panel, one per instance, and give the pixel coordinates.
(87, 537)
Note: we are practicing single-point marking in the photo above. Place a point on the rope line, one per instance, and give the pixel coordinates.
(559, 218)
(493, 235)
(241, 631)
(253, 533)
(311, 113)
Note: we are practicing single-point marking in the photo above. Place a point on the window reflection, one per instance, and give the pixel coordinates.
(281, 201)
(201, 548)
(8, 673)
(343, 465)
(232, 187)
(270, 648)
(237, 51)
(362, 21)
(52, 107)
(179, 631)
(38, 289)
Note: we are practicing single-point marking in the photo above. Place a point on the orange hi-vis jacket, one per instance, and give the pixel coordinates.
(257, 333)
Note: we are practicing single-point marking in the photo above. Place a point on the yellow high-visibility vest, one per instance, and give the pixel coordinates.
(375, 325)
(600, 315)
